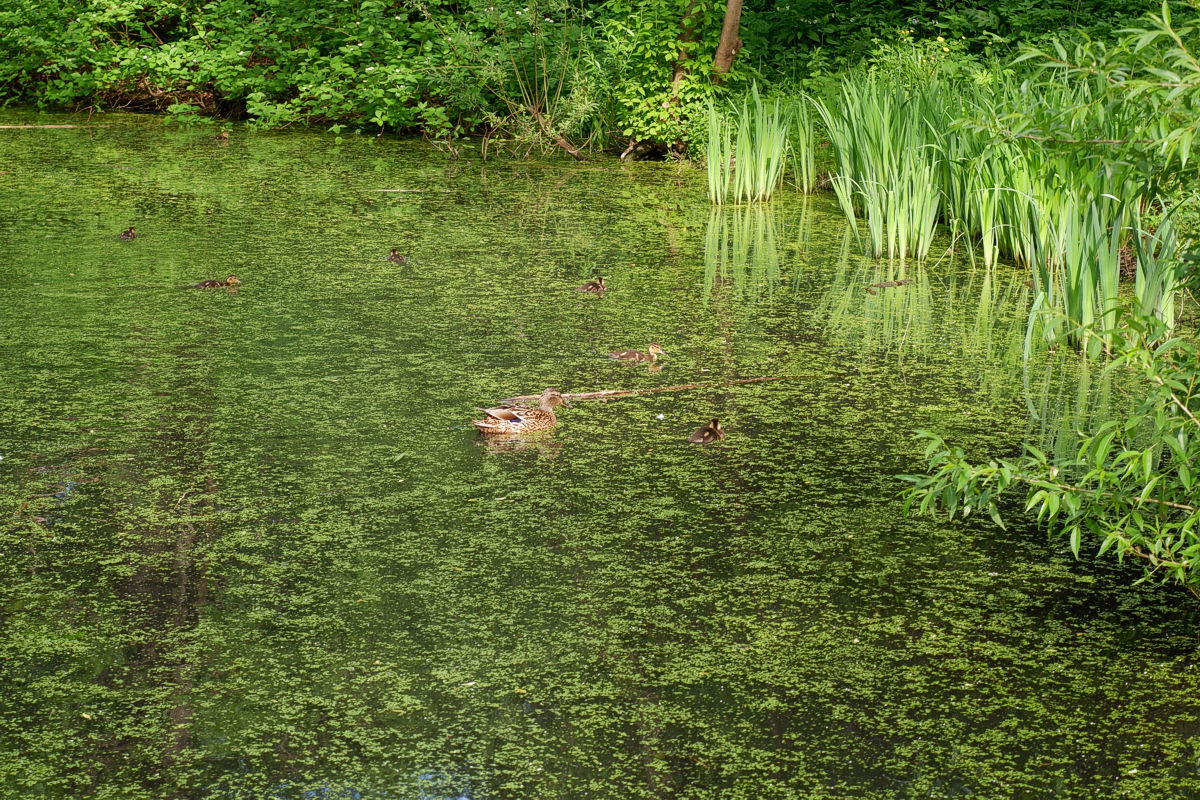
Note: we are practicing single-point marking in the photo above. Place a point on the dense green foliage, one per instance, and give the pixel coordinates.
(1132, 484)
(1120, 130)
(599, 72)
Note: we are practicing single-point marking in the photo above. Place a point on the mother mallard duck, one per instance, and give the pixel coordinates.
(522, 419)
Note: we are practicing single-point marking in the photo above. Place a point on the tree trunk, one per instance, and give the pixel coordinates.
(730, 43)
(689, 35)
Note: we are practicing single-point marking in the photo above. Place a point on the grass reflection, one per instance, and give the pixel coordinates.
(743, 246)
(913, 313)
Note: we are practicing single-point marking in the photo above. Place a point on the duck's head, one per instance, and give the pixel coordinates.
(551, 397)
(233, 280)
(715, 424)
(655, 350)
(600, 282)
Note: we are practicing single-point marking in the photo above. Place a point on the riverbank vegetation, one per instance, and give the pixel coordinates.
(1131, 483)
(618, 74)
(1103, 180)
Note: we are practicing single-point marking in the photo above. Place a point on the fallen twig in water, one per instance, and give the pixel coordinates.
(523, 398)
(35, 127)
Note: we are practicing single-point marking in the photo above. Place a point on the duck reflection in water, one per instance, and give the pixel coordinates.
(543, 443)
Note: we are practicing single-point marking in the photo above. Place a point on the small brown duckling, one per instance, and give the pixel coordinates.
(597, 286)
(127, 234)
(396, 258)
(222, 137)
(711, 432)
(232, 280)
(637, 355)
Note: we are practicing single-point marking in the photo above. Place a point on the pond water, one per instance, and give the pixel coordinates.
(252, 548)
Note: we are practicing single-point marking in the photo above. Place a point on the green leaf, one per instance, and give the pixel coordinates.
(994, 513)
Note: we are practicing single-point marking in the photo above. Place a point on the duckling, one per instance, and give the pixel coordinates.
(127, 234)
(711, 432)
(522, 419)
(231, 281)
(597, 286)
(222, 137)
(395, 257)
(637, 355)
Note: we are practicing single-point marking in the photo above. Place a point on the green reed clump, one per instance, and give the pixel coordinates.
(747, 149)
(802, 146)
(718, 155)
(1157, 281)
(911, 153)
(887, 142)
(1067, 212)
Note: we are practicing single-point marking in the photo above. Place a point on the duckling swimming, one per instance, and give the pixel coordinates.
(637, 355)
(522, 419)
(231, 281)
(396, 258)
(597, 286)
(706, 434)
(127, 234)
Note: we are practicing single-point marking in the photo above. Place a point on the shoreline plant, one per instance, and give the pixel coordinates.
(1132, 483)
(747, 148)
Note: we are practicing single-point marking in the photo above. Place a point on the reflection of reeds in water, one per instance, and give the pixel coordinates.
(974, 322)
(742, 248)
(1066, 396)
(977, 320)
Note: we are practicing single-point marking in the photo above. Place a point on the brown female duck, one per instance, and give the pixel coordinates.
(522, 419)
(597, 286)
(637, 355)
(232, 280)
(711, 432)
(127, 234)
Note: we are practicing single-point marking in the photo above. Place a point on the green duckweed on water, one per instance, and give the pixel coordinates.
(252, 548)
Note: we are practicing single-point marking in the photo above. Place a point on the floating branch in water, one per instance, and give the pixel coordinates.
(605, 393)
(40, 127)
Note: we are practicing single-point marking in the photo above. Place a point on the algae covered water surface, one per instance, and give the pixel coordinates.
(252, 548)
